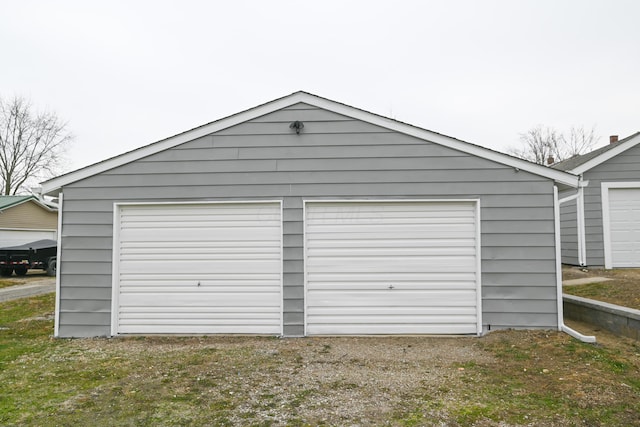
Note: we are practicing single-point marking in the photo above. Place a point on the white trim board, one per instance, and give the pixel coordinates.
(52, 185)
(56, 325)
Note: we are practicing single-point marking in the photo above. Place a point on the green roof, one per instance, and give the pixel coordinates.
(8, 201)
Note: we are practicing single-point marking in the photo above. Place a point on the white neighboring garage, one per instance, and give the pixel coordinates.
(621, 224)
(197, 268)
(392, 267)
(595, 231)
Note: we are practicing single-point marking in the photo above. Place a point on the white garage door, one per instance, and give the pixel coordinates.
(392, 268)
(198, 268)
(624, 227)
(21, 237)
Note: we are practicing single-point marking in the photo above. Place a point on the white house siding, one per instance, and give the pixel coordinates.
(334, 157)
(623, 168)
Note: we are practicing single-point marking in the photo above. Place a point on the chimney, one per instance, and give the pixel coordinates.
(550, 160)
(613, 139)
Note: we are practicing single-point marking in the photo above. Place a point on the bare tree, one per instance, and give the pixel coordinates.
(31, 144)
(579, 141)
(545, 145)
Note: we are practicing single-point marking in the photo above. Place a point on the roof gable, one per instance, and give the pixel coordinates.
(53, 185)
(580, 164)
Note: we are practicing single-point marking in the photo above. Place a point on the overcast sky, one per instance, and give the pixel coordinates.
(128, 73)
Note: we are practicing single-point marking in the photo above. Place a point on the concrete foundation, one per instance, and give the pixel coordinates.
(619, 320)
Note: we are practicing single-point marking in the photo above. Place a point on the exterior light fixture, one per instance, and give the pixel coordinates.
(297, 125)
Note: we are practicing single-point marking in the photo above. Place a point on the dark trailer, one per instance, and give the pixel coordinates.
(40, 254)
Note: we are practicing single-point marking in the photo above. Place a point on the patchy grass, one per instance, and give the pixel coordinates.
(7, 282)
(32, 276)
(623, 289)
(536, 378)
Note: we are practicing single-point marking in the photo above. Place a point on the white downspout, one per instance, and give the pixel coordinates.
(582, 242)
(561, 326)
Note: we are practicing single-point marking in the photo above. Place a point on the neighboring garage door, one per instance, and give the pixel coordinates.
(198, 268)
(624, 227)
(21, 237)
(392, 268)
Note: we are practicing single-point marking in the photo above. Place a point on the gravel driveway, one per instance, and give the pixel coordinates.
(34, 285)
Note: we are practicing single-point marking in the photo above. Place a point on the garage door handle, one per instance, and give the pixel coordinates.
(391, 287)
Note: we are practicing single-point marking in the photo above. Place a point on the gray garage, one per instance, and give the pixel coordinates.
(305, 216)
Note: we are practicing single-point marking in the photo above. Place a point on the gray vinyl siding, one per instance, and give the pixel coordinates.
(335, 157)
(623, 167)
(569, 230)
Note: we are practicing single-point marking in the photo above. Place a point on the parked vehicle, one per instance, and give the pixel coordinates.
(40, 254)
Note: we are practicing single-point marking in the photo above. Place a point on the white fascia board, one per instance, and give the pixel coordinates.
(622, 147)
(55, 184)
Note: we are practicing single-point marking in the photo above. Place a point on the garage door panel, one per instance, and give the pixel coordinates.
(203, 295)
(388, 266)
(408, 311)
(208, 318)
(384, 284)
(220, 266)
(211, 321)
(436, 233)
(393, 298)
(180, 286)
(195, 328)
(321, 243)
(199, 253)
(217, 277)
(393, 224)
(398, 267)
(191, 317)
(357, 210)
(196, 234)
(199, 268)
(391, 319)
(367, 251)
(458, 276)
(392, 329)
(185, 210)
(187, 298)
(398, 263)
